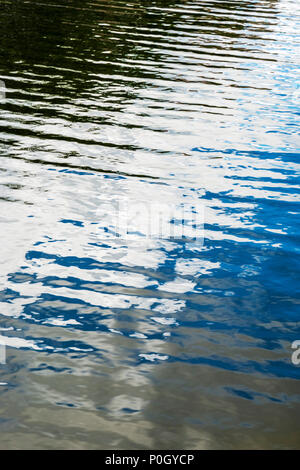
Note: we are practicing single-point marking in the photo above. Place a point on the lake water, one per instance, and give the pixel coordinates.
(149, 194)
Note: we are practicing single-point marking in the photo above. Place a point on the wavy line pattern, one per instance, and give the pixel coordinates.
(149, 191)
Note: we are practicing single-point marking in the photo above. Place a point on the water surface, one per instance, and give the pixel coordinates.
(149, 342)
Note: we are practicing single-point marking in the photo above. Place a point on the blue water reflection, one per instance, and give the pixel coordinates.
(125, 326)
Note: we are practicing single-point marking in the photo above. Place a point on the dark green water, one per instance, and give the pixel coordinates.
(119, 340)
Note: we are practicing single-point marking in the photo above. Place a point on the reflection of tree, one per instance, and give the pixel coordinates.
(85, 40)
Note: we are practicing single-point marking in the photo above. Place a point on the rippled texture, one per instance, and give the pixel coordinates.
(163, 342)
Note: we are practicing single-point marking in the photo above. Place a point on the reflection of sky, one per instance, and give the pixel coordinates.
(214, 130)
(254, 108)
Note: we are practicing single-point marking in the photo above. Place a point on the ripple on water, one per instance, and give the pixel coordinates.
(118, 121)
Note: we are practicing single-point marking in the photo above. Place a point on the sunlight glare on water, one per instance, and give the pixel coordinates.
(126, 328)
